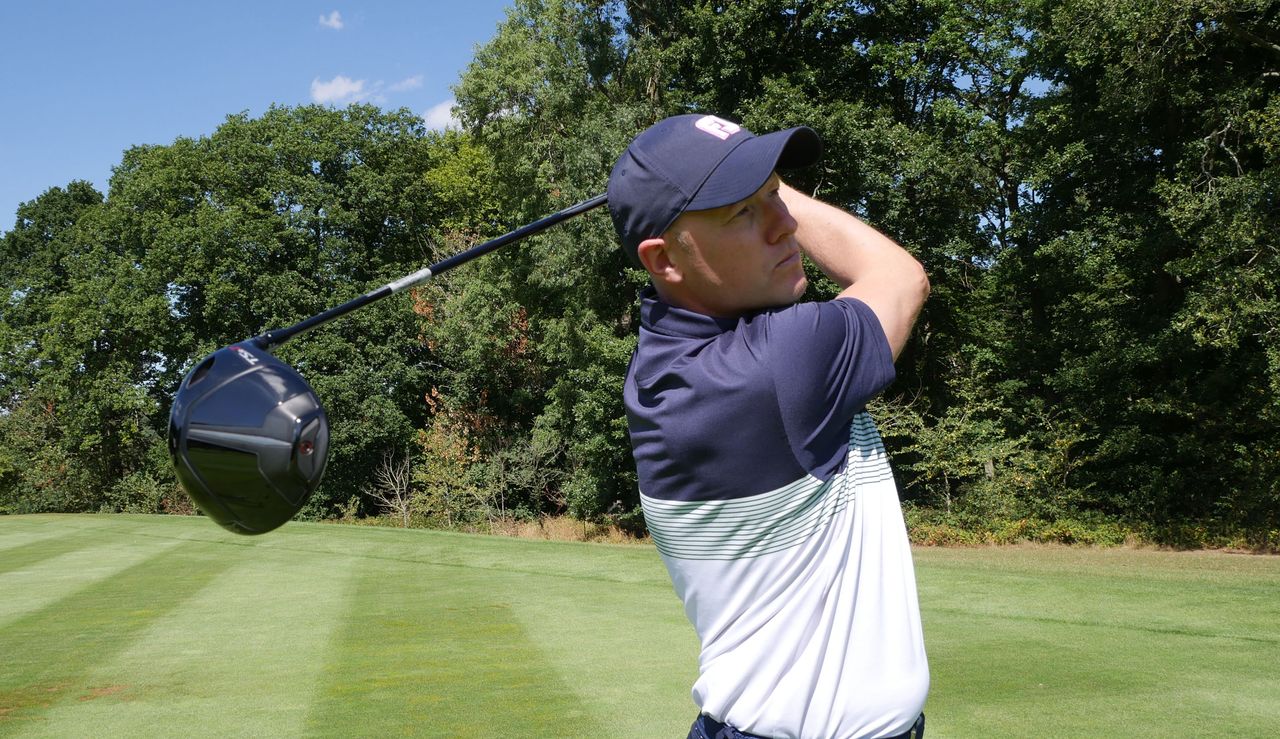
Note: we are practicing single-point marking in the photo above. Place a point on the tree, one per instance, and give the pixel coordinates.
(1144, 302)
(392, 487)
(76, 358)
(560, 90)
(207, 241)
(1091, 186)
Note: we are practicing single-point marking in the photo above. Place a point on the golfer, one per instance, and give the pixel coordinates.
(763, 480)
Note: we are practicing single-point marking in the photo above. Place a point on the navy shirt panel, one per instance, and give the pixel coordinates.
(721, 409)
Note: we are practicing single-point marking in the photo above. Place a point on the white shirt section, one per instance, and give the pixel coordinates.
(815, 634)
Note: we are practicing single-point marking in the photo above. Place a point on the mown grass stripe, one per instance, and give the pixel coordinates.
(30, 553)
(48, 653)
(628, 656)
(1270, 640)
(433, 652)
(256, 637)
(377, 544)
(53, 578)
(23, 532)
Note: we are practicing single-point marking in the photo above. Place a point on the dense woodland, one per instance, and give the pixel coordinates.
(1091, 184)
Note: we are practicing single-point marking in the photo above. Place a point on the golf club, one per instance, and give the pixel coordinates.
(248, 436)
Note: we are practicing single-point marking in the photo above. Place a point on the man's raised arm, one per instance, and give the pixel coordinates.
(863, 261)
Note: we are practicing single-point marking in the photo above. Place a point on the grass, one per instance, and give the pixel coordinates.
(146, 625)
(1101, 642)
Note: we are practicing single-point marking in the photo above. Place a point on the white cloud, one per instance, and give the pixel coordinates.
(340, 89)
(410, 83)
(332, 20)
(440, 116)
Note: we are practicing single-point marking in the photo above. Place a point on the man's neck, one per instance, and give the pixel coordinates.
(676, 299)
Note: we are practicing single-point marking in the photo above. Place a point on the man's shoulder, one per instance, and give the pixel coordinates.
(810, 310)
(787, 333)
(810, 329)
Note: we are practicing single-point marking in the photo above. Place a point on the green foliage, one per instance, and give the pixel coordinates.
(936, 527)
(79, 360)
(445, 491)
(201, 243)
(1145, 298)
(1090, 184)
(543, 333)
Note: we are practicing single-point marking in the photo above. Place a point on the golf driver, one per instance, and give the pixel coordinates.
(248, 436)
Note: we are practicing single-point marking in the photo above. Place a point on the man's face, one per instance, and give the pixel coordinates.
(740, 257)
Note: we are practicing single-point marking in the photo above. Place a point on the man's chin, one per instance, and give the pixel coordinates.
(797, 291)
(793, 296)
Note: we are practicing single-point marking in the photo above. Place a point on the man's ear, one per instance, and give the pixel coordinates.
(655, 255)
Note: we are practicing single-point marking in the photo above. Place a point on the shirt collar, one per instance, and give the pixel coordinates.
(664, 318)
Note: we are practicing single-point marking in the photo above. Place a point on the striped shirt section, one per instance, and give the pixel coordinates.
(770, 522)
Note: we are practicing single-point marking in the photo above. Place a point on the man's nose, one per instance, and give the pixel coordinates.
(780, 224)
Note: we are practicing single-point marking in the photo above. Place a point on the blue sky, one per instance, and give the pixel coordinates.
(83, 81)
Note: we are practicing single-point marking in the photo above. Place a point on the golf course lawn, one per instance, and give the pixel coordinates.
(154, 625)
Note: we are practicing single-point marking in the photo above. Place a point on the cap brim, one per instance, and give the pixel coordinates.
(747, 167)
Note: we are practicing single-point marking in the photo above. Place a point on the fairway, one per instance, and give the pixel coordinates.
(150, 625)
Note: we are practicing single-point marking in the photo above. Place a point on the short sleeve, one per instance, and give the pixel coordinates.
(827, 360)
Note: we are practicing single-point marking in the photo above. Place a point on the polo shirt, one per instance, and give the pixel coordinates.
(768, 494)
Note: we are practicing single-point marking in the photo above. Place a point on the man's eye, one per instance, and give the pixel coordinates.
(745, 210)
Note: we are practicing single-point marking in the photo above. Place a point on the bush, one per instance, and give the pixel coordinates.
(936, 527)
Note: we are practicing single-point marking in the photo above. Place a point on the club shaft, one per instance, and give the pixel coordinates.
(279, 336)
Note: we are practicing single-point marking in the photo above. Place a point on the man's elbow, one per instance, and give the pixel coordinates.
(919, 282)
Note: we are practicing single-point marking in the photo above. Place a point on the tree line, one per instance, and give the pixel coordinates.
(1091, 185)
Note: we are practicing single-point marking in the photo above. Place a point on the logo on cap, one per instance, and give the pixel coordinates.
(718, 127)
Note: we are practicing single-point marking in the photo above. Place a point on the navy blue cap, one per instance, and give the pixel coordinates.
(696, 162)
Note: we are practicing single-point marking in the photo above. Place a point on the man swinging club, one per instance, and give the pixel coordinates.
(763, 480)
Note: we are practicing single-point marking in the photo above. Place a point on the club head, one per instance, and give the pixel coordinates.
(248, 437)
